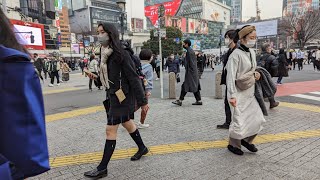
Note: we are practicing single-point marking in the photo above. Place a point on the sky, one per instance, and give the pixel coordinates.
(269, 8)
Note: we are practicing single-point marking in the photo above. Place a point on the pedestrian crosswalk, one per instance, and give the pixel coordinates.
(315, 96)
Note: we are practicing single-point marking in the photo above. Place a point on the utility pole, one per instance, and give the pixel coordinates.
(220, 43)
(161, 12)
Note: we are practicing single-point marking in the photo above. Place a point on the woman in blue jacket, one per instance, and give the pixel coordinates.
(23, 142)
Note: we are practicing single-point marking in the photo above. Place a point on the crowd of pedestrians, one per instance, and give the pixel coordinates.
(128, 83)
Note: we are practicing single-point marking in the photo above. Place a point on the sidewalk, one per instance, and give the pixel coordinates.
(291, 152)
(77, 81)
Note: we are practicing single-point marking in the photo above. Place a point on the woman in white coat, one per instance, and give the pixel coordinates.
(247, 116)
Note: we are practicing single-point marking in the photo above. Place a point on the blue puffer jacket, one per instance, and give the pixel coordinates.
(173, 65)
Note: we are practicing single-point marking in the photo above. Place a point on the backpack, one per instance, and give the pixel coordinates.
(274, 68)
(138, 67)
(53, 66)
(23, 139)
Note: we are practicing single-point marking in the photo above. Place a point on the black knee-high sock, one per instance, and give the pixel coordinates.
(137, 138)
(107, 153)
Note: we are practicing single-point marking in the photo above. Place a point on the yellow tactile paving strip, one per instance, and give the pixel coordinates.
(94, 109)
(74, 113)
(55, 91)
(176, 148)
(301, 106)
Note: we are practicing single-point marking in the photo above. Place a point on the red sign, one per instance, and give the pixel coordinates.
(171, 9)
(31, 35)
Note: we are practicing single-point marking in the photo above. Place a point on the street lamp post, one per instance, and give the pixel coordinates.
(161, 13)
(122, 5)
(220, 43)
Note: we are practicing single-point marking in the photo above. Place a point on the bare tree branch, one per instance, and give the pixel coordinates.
(303, 29)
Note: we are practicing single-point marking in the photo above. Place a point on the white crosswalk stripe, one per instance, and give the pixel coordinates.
(317, 93)
(310, 97)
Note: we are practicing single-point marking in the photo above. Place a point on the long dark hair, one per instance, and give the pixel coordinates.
(115, 43)
(7, 35)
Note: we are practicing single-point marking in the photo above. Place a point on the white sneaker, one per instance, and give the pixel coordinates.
(142, 126)
(50, 85)
(58, 84)
(157, 79)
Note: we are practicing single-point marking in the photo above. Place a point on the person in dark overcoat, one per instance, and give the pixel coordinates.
(283, 66)
(191, 81)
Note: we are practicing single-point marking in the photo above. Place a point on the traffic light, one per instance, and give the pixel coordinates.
(32, 39)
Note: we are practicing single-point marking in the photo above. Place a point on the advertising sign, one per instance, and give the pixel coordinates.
(265, 28)
(178, 22)
(75, 49)
(73, 38)
(217, 12)
(137, 25)
(171, 7)
(196, 44)
(198, 26)
(29, 34)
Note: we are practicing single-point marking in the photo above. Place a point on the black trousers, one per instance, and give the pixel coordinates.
(183, 93)
(300, 64)
(227, 109)
(158, 71)
(54, 74)
(294, 62)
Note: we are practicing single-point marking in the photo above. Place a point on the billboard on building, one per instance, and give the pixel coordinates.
(151, 11)
(29, 34)
(198, 26)
(137, 25)
(178, 22)
(75, 48)
(214, 11)
(195, 44)
(265, 28)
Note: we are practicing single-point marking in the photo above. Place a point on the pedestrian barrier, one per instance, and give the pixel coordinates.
(172, 85)
(218, 88)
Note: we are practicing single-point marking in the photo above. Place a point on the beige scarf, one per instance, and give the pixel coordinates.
(105, 53)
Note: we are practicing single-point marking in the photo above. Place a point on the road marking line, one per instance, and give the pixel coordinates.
(74, 113)
(315, 98)
(176, 148)
(95, 109)
(55, 91)
(301, 106)
(317, 93)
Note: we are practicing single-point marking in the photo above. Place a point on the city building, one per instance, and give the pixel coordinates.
(35, 15)
(298, 6)
(202, 21)
(87, 15)
(10, 8)
(236, 11)
(64, 27)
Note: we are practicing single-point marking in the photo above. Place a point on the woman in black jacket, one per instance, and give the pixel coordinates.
(283, 66)
(124, 90)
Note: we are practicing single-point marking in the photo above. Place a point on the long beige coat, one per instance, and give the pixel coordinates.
(247, 117)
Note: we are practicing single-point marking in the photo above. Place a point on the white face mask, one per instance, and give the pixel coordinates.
(226, 41)
(251, 43)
